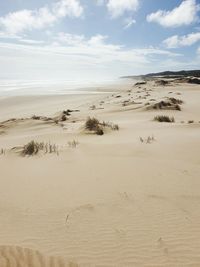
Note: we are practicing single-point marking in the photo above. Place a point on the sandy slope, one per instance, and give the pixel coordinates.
(112, 200)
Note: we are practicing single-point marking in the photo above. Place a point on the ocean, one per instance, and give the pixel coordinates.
(42, 87)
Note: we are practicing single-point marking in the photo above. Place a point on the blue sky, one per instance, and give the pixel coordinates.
(97, 39)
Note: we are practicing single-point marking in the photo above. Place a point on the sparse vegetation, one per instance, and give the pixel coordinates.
(32, 148)
(94, 125)
(125, 103)
(93, 107)
(34, 117)
(166, 105)
(162, 82)
(190, 121)
(140, 83)
(147, 104)
(147, 140)
(175, 100)
(42, 118)
(63, 118)
(112, 126)
(164, 118)
(73, 143)
(115, 127)
(66, 112)
(170, 104)
(2, 151)
(177, 107)
(99, 131)
(91, 124)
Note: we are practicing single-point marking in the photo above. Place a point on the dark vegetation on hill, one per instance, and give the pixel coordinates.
(169, 74)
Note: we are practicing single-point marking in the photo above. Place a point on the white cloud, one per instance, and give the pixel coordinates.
(98, 47)
(5, 35)
(184, 14)
(79, 40)
(100, 2)
(71, 8)
(178, 41)
(30, 41)
(70, 54)
(118, 7)
(69, 39)
(23, 20)
(20, 21)
(97, 40)
(129, 22)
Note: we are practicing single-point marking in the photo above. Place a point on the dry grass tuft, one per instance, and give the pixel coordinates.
(33, 148)
(73, 143)
(147, 140)
(94, 125)
(170, 104)
(112, 126)
(164, 118)
(2, 151)
(175, 100)
(63, 117)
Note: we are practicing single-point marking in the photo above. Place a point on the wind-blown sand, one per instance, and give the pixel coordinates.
(111, 201)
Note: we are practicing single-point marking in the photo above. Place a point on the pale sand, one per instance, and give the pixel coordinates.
(112, 200)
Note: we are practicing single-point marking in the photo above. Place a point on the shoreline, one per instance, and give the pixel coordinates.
(54, 88)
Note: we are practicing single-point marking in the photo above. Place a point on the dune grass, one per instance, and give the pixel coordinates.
(73, 144)
(94, 125)
(164, 118)
(33, 148)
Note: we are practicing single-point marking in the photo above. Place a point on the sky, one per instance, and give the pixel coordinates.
(97, 39)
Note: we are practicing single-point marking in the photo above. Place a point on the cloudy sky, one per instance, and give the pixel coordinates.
(97, 39)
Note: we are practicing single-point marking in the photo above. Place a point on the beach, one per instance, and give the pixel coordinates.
(129, 197)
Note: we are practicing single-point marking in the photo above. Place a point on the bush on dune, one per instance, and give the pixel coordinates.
(175, 100)
(33, 148)
(94, 125)
(164, 118)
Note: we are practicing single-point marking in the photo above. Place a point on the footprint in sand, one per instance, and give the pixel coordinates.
(162, 245)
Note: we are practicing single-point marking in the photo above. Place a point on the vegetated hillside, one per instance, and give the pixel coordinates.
(169, 74)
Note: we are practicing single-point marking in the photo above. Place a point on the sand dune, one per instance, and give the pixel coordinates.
(11, 256)
(127, 198)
